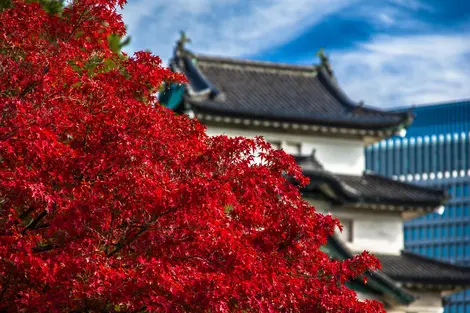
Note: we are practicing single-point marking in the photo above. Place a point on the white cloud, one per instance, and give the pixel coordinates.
(222, 27)
(385, 71)
(412, 4)
(404, 70)
(390, 15)
(386, 19)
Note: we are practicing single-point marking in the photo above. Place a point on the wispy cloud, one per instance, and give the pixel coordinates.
(225, 27)
(412, 4)
(387, 53)
(402, 70)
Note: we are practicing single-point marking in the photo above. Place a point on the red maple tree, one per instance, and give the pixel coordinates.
(111, 203)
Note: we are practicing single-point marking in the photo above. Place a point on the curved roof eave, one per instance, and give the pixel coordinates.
(202, 91)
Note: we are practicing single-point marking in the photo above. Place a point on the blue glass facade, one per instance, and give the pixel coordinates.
(435, 152)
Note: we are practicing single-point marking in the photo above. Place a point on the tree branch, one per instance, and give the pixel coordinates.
(75, 27)
(28, 89)
(284, 245)
(126, 241)
(34, 222)
(26, 213)
(110, 232)
(45, 248)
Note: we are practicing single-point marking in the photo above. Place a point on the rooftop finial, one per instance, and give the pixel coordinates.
(181, 42)
(325, 61)
(359, 107)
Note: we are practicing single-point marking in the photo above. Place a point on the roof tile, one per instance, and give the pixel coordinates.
(282, 92)
(414, 268)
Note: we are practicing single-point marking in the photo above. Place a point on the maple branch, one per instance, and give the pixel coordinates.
(110, 231)
(75, 27)
(28, 88)
(45, 225)
(34, 221)
(45, 248)
(26, 213)
(143, 229)
(85, 143)
(284, 245)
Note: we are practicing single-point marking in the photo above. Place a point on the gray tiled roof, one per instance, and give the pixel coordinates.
(369, 188)
(262, 90)
(413, 268)
(380, 189)
(378, 280)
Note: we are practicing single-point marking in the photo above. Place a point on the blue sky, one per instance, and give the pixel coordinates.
(385, 52)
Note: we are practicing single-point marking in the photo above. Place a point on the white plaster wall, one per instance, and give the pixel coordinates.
(367, 296)
(381, 232)
(398, 309)
(341, 156)
(426, 302)
(320, 205)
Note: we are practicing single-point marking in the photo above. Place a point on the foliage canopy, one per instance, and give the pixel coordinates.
(111, 203)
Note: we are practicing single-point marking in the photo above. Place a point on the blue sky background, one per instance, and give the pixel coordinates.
(385, 52)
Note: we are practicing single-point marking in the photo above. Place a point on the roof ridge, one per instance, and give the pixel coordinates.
(415, 186)
(318, 91)
(255, 63)
(435, 261)
(336, 88)
(339, 92)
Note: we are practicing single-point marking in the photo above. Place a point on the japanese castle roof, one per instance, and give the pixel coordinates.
(406, 270)
(411, 268)
(377, 282)
(370, 191)
(271, 94)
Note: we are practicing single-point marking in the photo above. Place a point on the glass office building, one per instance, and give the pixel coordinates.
(435, 152)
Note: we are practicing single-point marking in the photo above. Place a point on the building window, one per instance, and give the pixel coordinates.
(428, 232)
(437, 252)
(450, 211)
(467, 249)
(452, 231)
(460, 251)
(444, 231)
(452, 254)
(466, 231)
(429, 251)
(445, 252)
(458, 190)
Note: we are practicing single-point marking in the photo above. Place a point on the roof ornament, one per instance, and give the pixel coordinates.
(179, 49)
(314, 161)
(325, 62)
(312, 155)
(358, 108)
